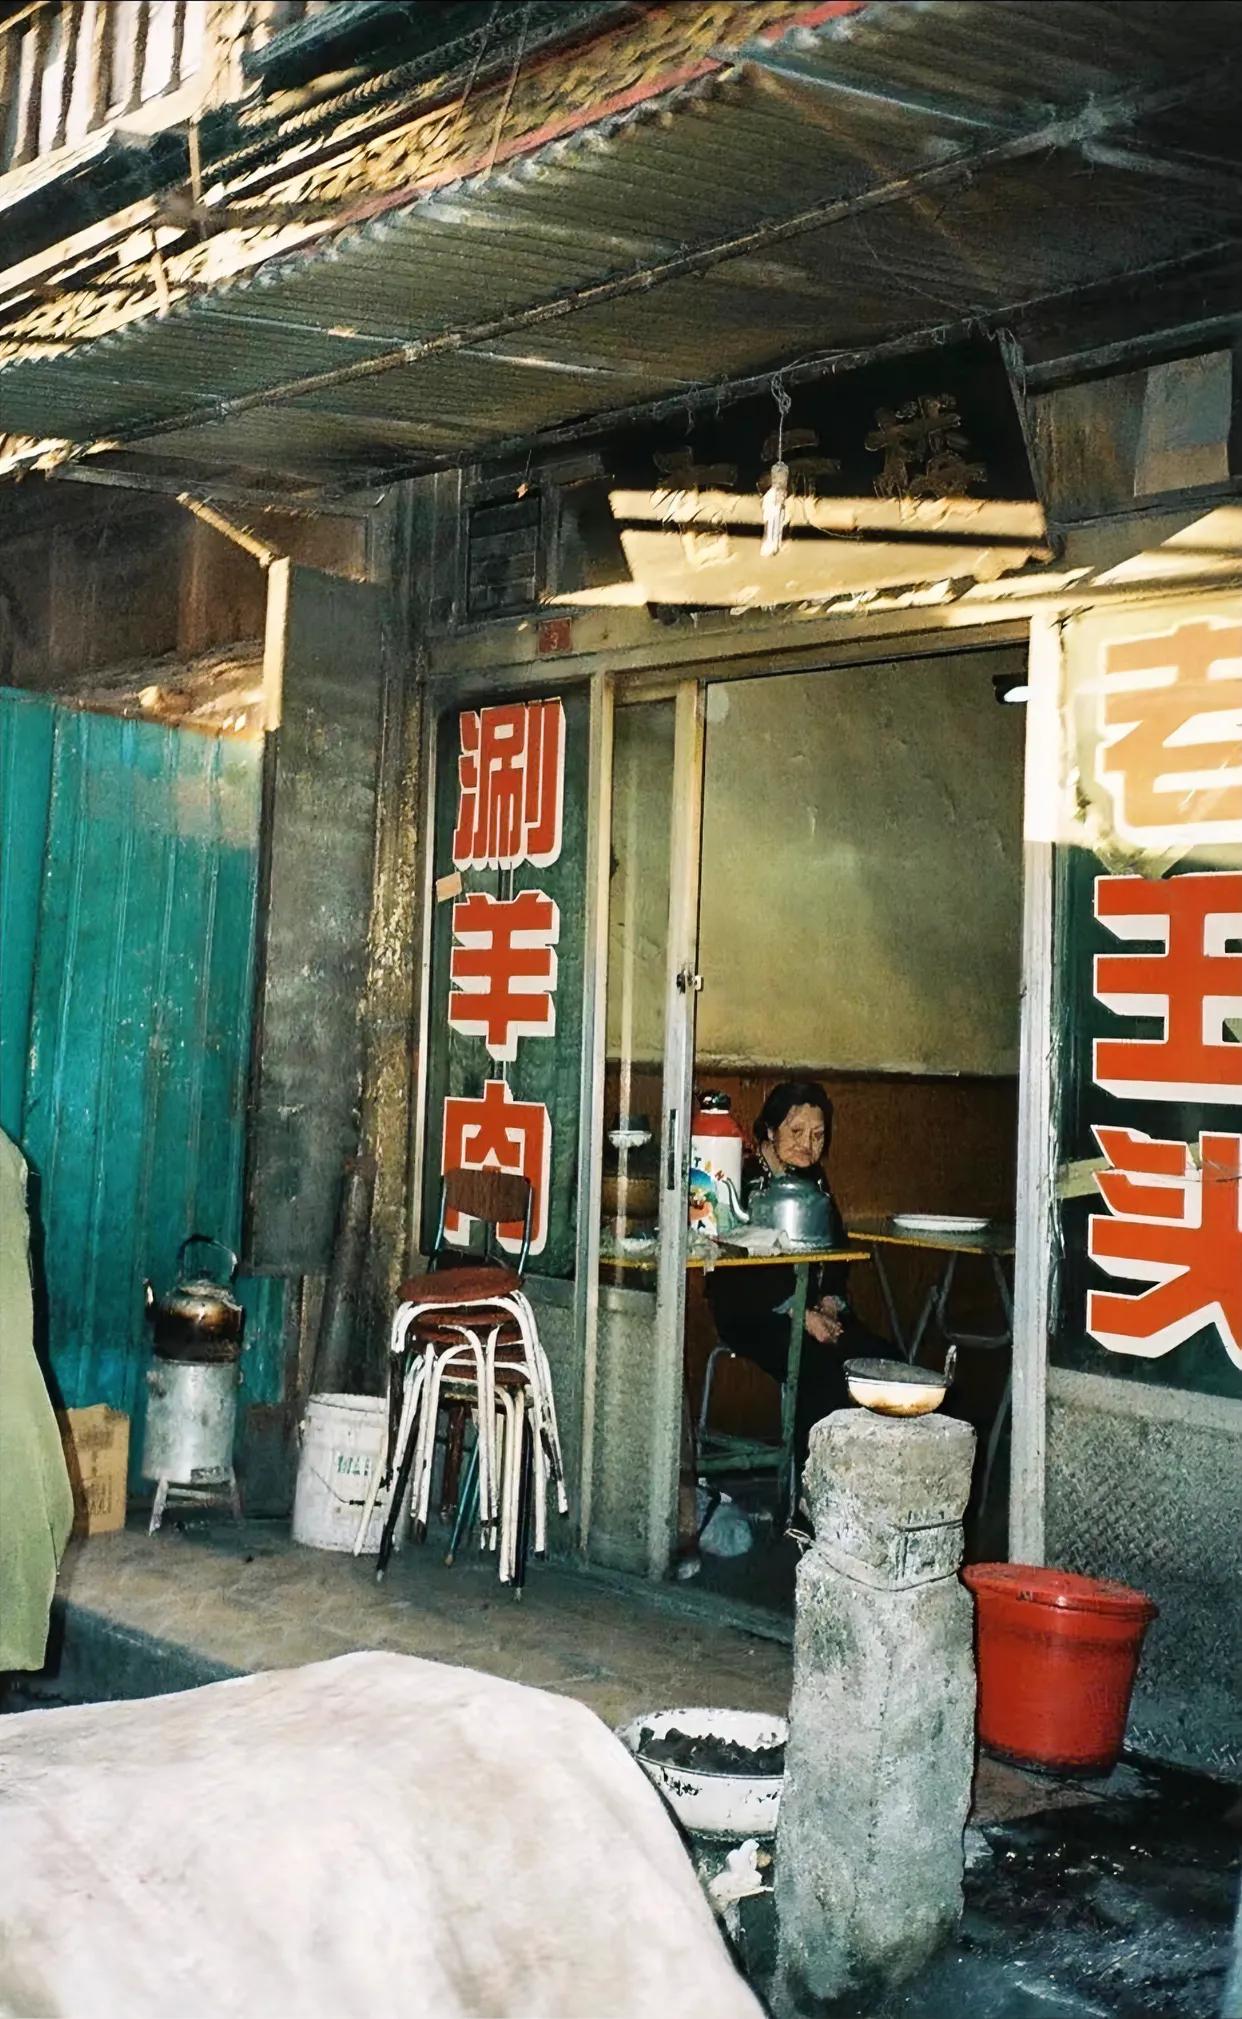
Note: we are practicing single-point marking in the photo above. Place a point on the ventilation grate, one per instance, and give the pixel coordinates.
(503, 557)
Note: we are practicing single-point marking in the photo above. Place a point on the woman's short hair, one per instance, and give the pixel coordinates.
(783, 1099)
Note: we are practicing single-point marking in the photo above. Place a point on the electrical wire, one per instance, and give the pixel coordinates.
(503, 114)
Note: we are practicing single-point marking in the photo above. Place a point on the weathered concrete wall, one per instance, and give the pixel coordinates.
(624, 1380)
(881, 1723)
(92, 579)
(390, 1004)
(315, 901)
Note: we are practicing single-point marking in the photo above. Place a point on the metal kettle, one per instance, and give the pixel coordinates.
(795, 1207)
(199, 1318)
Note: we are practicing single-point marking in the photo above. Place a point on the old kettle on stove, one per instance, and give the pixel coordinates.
(199, 1318)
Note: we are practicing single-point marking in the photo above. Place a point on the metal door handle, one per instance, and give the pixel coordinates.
(671, 1151)
(688, 981)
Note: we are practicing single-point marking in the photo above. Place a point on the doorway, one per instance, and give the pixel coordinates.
(815, 877)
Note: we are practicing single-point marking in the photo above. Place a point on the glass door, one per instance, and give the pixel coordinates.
(646, 941)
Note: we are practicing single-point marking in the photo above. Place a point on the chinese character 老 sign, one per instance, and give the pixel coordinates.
(1150, 937)
(507, 960)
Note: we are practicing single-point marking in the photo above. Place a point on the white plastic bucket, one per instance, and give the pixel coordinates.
(342, 1442)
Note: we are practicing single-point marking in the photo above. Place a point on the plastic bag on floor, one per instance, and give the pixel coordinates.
(728, 1533)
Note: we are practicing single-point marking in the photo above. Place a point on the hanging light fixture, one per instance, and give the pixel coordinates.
(1013, 688)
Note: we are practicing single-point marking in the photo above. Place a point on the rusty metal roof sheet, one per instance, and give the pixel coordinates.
(874, 171)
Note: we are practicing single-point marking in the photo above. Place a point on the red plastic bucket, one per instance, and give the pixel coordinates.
(1057, 1656)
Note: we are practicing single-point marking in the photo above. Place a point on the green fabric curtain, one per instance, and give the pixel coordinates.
(36, 1502)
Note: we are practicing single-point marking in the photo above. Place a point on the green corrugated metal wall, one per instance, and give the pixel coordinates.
(139, 1032)
(26, 725)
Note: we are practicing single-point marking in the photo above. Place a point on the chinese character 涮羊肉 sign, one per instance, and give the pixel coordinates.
(507, 960)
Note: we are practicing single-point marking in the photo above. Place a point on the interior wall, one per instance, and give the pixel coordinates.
(862, 869)
(862, 872)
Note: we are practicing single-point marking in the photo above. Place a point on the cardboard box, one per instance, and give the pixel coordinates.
(97, 1454)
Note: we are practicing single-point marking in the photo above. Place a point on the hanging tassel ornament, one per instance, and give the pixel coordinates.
(775, 500)
(776, 497)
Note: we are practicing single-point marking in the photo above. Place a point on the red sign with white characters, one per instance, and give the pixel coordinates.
(1191, 982)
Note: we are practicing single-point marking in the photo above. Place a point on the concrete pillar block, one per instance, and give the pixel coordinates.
(881, 1742)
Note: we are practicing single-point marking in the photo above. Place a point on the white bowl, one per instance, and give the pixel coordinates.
(713, 1804)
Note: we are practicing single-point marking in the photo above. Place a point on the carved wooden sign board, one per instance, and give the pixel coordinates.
(903, 473)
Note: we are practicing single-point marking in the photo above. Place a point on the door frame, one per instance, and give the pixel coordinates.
(1037, 1073)
(680, 1001)
(1034, 1170)
(591, 1089)
(664, 1400)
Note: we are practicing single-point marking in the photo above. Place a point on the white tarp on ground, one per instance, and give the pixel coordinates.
(375, 1835)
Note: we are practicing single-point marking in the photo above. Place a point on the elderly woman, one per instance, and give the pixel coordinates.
(751, 1307)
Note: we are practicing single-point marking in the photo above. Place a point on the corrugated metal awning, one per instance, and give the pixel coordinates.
(889, 169)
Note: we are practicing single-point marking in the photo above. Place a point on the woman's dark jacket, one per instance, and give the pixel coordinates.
(750, 1307)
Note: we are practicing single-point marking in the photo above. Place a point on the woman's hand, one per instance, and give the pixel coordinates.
(822, 1326)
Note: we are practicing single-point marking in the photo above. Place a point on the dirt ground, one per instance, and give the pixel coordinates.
(1107, 1899)
(249, 1598)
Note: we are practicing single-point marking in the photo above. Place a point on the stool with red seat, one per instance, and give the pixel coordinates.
(465, 1335)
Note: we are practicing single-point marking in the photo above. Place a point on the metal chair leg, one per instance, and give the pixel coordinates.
(467, 1504)
(709, 1377)
(491, 1517)
(527, 1486)
(538, 1373)
(398, 1369)
(454, 1446)
(393, 1515)
(511, 1410)
(993, 1443)
(511, 1515)
(408, 1387)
